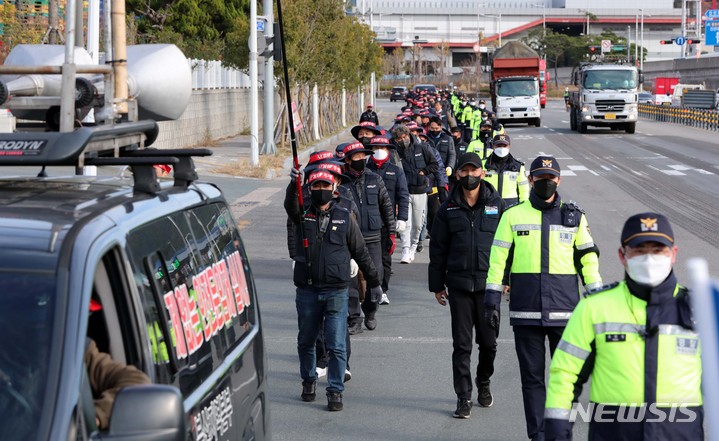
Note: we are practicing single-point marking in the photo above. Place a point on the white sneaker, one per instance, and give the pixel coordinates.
(406, 255)
(348, 375)
(384, 300)
(411, 256)
(321, 372)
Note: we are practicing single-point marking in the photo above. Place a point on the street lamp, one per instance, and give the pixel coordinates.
(498, 24)
(544, 18)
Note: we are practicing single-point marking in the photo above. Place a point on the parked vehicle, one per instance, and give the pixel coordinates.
(398, 93)
(679, 91)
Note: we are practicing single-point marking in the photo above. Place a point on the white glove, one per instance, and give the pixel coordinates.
(448, 171)
(401, 226)
(354, 269)
(293, 265)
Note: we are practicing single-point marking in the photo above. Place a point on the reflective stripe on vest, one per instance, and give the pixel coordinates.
(525, 315)
(573, 350)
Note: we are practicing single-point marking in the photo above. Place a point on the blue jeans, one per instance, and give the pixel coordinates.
(312, 306)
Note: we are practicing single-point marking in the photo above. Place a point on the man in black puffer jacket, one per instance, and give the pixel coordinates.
(462, 236)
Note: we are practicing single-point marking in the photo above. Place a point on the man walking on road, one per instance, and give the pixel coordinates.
(506, 173)
(544, 244)
(641, 333)
(369, 115)
(462, 237)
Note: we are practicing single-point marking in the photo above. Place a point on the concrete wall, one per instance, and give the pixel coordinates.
(689, 70)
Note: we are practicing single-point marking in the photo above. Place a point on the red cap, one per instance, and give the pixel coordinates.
(379, 141)
(320, 156)
(321, 175)
(330, 167)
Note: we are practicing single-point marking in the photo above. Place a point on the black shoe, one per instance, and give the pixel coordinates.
(334, 401)
(420, 247)
(464, 409)
(485, 398)
(370, 322)
(308, 390)
(355, 328)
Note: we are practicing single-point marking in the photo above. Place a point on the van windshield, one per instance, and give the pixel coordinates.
(26, 329)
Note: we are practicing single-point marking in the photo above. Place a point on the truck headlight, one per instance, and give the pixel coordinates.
(585, 109)
(532, 109)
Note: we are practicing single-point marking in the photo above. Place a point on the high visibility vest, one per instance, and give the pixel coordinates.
(477, 146)
(549, 253)
(632, 364)
(511, 183)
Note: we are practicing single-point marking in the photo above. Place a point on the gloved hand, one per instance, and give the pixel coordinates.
(401, 226)
(295, 173)
(354, 269)
(443, 194)
(375, 294)
(491, 316)
(392, 244)
(448, 170)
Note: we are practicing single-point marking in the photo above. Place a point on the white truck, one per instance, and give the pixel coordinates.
(606, 96)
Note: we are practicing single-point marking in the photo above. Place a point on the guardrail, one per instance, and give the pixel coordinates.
(701, 118)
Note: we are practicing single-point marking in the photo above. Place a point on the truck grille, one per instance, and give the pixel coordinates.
(610, 105)
(518, 109)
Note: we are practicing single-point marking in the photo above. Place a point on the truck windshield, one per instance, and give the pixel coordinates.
(517, 88)
(26, 329)
(610, 79)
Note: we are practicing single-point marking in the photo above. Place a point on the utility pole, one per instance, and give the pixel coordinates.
(268, 127)
(641, 41)
(684, 28)
(254, 93)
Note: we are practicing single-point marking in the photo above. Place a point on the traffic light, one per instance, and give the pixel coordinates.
(275, 51)
(693, 41)
(594, 49)
(666, 41)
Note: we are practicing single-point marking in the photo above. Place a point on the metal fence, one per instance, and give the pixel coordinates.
(213, 75)
(701, 118)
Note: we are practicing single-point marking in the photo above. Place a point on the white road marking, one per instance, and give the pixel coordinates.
(257, 198)
(568, 173)
(582, 168)
(606, 168)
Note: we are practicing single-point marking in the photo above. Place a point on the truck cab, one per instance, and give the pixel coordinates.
(516, 99)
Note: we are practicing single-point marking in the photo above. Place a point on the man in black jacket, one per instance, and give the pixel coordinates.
(376, 214)
(333, 238)
(396, 184)
(369, 115)
(418, 163)
(462, 237)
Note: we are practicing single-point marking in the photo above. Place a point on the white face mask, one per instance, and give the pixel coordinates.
(380, 154)
(501, 151)
(481, 106)
(649, 269)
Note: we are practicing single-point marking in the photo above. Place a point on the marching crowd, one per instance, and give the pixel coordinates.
(444, 172)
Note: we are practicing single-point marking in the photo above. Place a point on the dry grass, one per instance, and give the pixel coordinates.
(242, 167)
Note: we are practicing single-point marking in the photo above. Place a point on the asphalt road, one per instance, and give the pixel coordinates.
(402, 385)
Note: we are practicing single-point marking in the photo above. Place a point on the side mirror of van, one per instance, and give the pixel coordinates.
(147, 413)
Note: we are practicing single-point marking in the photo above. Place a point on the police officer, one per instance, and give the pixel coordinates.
(506, 173)
(646, 353)
(369, 115)
(483, 144)
(333, 238)
(376, 213)
(466, 119)
(396, 184)
(462, 236)
(546, 243)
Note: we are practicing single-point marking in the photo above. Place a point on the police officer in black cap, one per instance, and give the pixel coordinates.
(462, 236)
(376, 213)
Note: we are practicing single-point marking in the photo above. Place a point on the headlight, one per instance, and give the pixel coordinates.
(532, 109)
(585, 108)
(502, 109)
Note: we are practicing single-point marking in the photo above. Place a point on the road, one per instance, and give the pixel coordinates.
(402, 385)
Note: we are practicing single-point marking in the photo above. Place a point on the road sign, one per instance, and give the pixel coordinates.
(606, 46)
(680, 40)
(712, 14)
(260, 26)
(711, 33)
(476, 47)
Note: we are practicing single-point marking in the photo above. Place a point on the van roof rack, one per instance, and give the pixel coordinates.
(118, 144)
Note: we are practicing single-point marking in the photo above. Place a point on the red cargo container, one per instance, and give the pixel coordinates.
(664, 85)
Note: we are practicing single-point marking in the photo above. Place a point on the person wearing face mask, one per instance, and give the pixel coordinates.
(443, 143)
(376, 214)
(483, 144)
(334, 238)
(646, 353)
(460, 147)
(506, 173)
(365, 131)
(369, 115)
(418, 162)
(545, 246)
(466, 120)
(396, 184)
(462, 236)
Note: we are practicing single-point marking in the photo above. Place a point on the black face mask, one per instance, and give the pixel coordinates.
(321, 197)
(545, 188)
(365, 141)
(358, 165)
(470, 182)
(435, 133)
(484, 134)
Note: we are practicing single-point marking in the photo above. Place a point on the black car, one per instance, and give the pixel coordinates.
(429, 88)
(399, 93)
(153, 271)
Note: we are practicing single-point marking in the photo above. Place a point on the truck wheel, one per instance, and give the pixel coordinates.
(630, 127)
(582, 127)
(572, 120)
(537, 122)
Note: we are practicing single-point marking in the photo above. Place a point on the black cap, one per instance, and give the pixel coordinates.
(469, 158)
(501, 139)
(647, 227)
(545, 165)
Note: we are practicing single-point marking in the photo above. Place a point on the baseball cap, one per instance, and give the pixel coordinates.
(469, 158)
(321, 156)
(321, 176)
(647, 227)
(340, 150)
(501, 139)
(545, 165)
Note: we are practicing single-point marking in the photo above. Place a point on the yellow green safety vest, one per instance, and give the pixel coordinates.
(512, 183)
(477, 146)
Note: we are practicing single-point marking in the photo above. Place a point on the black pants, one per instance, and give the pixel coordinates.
(386, 262)
(531, 352)
(432, 209)
(467, 134)
(370, 305)
(467, 309)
